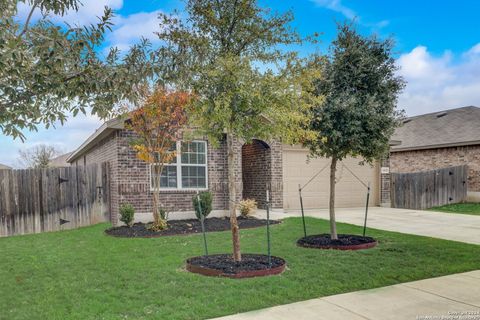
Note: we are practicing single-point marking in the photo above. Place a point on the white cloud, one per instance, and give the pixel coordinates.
(420, 65)
(126, 29)
(90, 11)
(133, 27)
(439, 83)
(66, 138)
(336, 5)
(23, 11)
(474, 50)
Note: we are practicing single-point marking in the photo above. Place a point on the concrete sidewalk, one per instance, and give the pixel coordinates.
(457, 227)
(431, 297)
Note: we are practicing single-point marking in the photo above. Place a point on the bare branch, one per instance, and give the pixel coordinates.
(27, 22)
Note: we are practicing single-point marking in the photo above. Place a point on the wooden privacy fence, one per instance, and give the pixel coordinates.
(41, 200)
(426, 189)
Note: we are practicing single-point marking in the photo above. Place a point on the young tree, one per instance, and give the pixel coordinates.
(157, 125)
(224, 52)
(48, 70)
(38, 157)
(359, 114)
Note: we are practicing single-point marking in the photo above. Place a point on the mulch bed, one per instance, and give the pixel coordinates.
(223, 265)
(344, 242)
(183, 227)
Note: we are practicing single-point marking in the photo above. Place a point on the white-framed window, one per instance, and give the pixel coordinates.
(188, 171)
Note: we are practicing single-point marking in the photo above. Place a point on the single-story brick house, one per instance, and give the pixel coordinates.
(60, 161)
(438, 140)
(4, 167)
(200, 166)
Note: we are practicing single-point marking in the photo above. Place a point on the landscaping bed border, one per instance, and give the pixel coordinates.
(360, 246)
(211, 272)
(244, 223)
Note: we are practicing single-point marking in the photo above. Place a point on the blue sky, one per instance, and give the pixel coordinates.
(438, 49)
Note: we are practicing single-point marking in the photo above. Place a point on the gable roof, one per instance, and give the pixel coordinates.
(99, 134)
(4, 167)
(60, 161)
(449, 128)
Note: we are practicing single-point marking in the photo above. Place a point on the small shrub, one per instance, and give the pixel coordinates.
(163, 214)
(247, 207)
(127, 214)
(205, 204)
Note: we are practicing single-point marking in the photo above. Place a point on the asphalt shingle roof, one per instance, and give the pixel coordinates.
(453, 127)
(61, 161)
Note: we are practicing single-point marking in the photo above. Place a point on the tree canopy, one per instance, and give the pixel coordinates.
(361, 87)
(157, 125)
(359, 114)
(231, 55)
(38, 157)
(49, 70)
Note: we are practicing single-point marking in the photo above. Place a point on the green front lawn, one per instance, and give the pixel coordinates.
(83, 274)
(462, 208)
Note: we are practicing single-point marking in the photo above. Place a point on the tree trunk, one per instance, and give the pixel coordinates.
(232, 194)
(158, 222)
(156, 197)
(333, 225)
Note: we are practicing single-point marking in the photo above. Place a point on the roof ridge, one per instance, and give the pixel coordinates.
(440, 111)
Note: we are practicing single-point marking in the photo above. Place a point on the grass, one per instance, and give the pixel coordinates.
(84, 274)
(461, 208)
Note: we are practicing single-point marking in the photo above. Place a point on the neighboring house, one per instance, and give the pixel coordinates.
(4, 167)
(200, 166)
(60, 161)
(439, 140)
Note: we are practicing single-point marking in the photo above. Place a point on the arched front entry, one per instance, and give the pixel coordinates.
(256, 171)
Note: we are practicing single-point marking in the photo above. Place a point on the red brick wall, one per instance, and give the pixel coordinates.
(134, 180)
(130, 177)
(418, 160)
(256, 172)
(262, 167)
(276, 154)
(385, 184)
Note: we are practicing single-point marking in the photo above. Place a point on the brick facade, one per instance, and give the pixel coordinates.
(418, 160)
(256, 171)
(276, 155)
(385, 184)
(262, 169)
(134, 180)
(130, 177)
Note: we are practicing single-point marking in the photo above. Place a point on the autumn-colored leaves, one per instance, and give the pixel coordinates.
(158, 124)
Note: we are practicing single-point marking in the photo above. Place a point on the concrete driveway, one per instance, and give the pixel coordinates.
(457, 227)
(451, 297)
